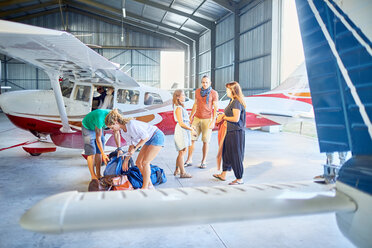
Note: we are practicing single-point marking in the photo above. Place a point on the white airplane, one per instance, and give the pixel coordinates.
(337, 42)
(75, 72)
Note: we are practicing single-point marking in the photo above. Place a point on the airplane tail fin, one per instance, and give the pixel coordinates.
(339, 67)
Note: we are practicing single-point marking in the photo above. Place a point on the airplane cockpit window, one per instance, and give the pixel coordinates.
(127, 96)
(82, 93)
(152, 98)
(66, 87)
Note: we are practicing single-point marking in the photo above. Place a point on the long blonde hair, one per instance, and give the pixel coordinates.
(176, 101)
(236, 92)
(115, 116)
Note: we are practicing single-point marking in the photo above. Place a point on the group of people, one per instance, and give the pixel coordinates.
(203, 118)
(137, 134)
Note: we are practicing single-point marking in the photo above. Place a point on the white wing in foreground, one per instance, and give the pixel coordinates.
(74, 211)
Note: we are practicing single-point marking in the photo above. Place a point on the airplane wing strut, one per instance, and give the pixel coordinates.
(54, 80)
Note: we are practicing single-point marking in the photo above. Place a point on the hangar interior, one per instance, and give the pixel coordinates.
(224, 39)
(227, 40)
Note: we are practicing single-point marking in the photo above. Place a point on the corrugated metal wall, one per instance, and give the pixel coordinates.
(254, 56)
(144, 64)
(255, 48)
(204, 57)
(224, 53)
(22, 76)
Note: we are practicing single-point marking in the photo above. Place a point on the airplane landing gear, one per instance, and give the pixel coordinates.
(34, 154)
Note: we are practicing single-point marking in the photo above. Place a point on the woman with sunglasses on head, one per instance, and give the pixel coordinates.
(137, 134)
(234, 142)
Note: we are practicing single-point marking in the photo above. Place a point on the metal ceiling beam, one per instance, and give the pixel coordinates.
(28, 8)
(119, 13)
(193, 36)
(226, 4)
(138, 27)
(244, 3)
(213, 25)
(41, 13)
(11, 2)
(204, 22)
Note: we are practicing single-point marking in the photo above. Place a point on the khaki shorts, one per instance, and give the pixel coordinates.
(201, 126)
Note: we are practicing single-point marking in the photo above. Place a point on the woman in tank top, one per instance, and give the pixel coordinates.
(182, 132)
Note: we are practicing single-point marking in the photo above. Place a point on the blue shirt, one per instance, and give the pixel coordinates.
(232, 126)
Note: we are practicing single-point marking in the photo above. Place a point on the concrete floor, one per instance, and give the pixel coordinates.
(280, 157)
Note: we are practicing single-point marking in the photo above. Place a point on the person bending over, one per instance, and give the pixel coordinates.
(94, 140)
(137, 134)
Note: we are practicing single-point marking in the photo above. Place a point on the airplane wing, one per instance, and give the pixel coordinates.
(59, 52)
(66, 212)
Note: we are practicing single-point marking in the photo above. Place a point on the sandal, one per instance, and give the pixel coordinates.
(185, 175)
(187, 164)
(218, 176)
(203, 166)
(176, 172)
(236, 183)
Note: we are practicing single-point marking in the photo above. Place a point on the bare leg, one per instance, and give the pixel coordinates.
(342, 157)
(329, 158)
(98, 162)
(221, 176)
(140, 157)
(149, 153)
(205, 152)
(179, 161)
(191, 150)
(90, 166)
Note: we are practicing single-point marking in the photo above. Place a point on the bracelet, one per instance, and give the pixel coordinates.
(119, 149)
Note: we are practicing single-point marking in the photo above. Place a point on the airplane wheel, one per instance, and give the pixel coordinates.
(34, 154)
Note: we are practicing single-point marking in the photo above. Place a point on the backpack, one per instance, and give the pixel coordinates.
(114, 166)
(134, 176)
(157, 175)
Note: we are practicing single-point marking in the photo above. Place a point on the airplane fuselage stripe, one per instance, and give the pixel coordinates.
(343, 70)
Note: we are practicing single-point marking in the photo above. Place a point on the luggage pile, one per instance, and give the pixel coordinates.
(117, 179)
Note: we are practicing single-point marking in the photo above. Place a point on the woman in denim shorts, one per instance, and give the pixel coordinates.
(137, 134)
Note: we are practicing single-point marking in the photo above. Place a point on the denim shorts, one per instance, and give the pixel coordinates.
(90, 143)
(157, 139)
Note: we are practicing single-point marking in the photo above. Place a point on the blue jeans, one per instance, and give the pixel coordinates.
(157, 139)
